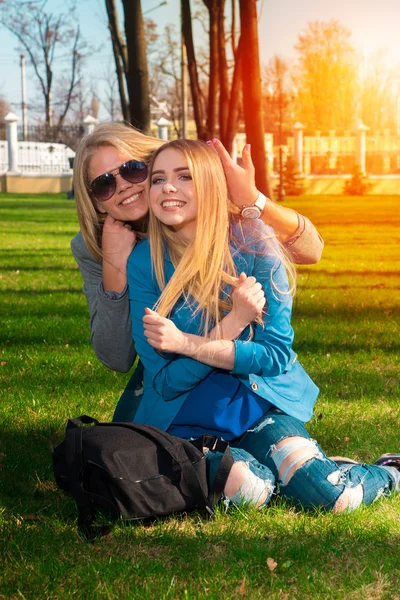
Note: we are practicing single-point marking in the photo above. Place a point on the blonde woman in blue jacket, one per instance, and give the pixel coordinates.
(110, 183)
(207, 369)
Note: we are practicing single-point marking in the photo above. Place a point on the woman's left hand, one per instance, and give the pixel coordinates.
(162, 333)
(241, 180)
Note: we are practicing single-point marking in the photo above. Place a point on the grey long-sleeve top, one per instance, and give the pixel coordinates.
(110, 321)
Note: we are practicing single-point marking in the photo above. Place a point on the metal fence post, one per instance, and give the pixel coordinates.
(298, 146)
(89, 123)
(361, 145)
(163, 128)
(12, 140)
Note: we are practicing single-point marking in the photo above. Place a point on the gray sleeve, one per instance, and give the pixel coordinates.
(110, 321)
(305, 245)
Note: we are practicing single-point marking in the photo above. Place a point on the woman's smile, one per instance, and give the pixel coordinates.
(172, 205)
(129, 201)
(172, 194)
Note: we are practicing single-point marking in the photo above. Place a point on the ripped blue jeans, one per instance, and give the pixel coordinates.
(279, 451)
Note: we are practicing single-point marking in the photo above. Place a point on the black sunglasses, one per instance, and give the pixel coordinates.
(104, 186)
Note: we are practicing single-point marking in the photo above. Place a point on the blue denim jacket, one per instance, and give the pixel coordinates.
(266, 363)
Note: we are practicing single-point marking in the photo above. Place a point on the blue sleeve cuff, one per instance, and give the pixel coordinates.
(244, 352)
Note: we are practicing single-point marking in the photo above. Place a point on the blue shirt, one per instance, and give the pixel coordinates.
(266, 364)
(220, 405)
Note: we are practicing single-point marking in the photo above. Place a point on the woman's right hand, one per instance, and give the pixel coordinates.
(241, 180)
(117, 242)
(248, 299)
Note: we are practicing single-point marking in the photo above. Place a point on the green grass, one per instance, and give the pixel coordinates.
(347, 323)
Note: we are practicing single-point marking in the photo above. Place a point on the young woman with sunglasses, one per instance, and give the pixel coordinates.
(206, 373)
(110, 191)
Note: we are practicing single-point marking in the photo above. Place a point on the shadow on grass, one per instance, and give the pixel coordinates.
(29, 252)
(26, 476)
(233, 557)
(352, 347)
(339, 273)
(44, 268)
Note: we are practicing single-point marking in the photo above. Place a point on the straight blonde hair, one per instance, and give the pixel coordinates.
(127, 140)
(203, 267)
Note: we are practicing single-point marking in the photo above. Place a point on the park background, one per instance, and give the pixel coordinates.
(347, 325)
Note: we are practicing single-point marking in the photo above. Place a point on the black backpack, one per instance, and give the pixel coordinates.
(132, 471)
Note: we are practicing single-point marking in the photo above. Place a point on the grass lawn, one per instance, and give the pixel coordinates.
(347, 324)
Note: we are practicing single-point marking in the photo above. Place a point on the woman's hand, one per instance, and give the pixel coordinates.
(162, 333)
(248, 299)
(117, 242)
(241, 180)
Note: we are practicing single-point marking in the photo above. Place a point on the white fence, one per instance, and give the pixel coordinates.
(39, 157)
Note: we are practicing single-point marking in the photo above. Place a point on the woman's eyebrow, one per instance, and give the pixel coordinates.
(175, 170)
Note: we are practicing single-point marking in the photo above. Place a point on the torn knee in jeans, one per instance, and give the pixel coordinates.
(292, 453)
(349, 499)
(244, 486)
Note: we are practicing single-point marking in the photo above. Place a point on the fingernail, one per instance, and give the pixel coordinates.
(215, 140)
(248, 147)
(209, 142)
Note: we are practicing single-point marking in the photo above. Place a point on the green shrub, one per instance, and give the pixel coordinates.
(293, 180)
(358, 184)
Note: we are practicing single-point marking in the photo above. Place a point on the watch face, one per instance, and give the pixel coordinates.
(250, 212)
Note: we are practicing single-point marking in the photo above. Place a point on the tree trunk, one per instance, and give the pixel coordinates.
(223, 74)
(233, 27)
(120, 56)
(212, 6)
(252, 94)
(138, 77)
(235, 99)
(48, 109)
(197, 96)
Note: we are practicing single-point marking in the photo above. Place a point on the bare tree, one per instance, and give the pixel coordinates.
(279, 96)
(219, 114)
(130, 57)
(213, 7)
(379, 90)
(252, 94)
(112, 102)
(197, 95)
(165, 79)
(138, 75)
(327, 76)
(120, 53)
(41, 34)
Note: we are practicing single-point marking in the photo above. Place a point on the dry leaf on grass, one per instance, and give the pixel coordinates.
(271, 564)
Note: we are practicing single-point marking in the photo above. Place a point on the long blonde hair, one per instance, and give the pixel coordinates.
(124, 138)
(204, 266)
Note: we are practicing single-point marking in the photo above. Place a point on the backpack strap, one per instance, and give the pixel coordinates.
(216, 444)
(82, 420)
(87, 511)
(218, 486)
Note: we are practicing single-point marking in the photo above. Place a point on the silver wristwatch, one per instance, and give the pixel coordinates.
(254, 211)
